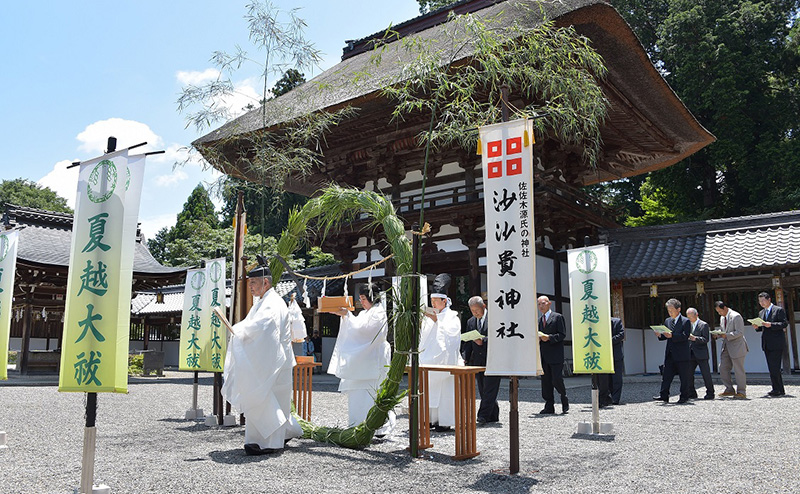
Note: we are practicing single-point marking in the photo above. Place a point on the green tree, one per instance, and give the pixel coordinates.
(426, 6)
(290, 80)
(24, 192)
(275, 205)
(197, 214)
(205, 242)
(652, 205)
(735, 64)
(316, 257)
(198, 208)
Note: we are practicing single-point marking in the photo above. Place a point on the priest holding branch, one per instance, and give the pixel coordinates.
(258, 369)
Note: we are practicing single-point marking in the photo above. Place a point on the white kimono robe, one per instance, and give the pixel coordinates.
(258, 373)
(297, 321)
(439, 344)
(360, 360)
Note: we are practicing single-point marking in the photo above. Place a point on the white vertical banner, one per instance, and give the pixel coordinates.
(134, 177)
(590, 304)
(507, 160)
(195, 320)
(423, 291)
(216, 345)
(8, 264)
(94, 355)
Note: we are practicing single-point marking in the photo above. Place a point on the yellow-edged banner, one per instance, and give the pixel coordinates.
(8, 264)
(216, 346)
(195, 320)
(93, 344)
(590, 302)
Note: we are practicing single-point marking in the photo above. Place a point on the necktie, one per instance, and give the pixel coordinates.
(544, 322)
(766, 315)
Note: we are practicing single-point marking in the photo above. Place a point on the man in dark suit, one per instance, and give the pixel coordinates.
(677, 357)
(551, 350)
(698, 346)
(610, 385)
(475, 354)
(773, 340)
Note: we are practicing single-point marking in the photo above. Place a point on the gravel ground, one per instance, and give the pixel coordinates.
(144, 445)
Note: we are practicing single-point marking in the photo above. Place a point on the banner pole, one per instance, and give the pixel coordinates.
(513, 390)
(413, 378)
(90, 431)
(595, 405)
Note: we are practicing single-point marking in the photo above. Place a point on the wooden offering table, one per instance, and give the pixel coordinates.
(301, 385)
(466, 415)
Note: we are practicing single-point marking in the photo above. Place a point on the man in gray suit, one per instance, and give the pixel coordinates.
(698, 345)
(734, 350)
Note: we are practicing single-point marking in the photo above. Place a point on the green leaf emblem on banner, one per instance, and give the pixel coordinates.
(198, 280)
(215, 272)
(586, 262)
(4, 244)
(102, 181)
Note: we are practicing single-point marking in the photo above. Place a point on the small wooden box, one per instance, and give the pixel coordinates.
(333, 304)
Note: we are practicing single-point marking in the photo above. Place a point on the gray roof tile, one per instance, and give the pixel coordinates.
(704, 247)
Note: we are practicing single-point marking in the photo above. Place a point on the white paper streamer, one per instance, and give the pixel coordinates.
(345, 287)
(324, 286)
(306, 299)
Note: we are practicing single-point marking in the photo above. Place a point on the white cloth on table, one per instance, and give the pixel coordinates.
(439, 344)
(360, 359)
(258, 373)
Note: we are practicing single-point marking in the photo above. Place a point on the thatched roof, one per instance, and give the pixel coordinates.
(648, 126)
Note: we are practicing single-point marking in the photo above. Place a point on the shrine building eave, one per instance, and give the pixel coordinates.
(648, 127)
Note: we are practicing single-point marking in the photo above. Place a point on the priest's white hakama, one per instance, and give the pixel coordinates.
(258, 373)
(360, 359)
(439, 344)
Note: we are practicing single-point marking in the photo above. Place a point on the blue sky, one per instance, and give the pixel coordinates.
(77, 72)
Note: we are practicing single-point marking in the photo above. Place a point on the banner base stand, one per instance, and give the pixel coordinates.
(96, 489)
(3, 440)
(194, 414)
(227, 421)
(603, 428)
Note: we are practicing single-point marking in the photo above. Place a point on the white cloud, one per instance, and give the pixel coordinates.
(195, 77)
(173, 178)
(244, 93)
(63, 181)
(94, 137)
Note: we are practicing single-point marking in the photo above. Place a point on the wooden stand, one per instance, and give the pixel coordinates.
(301, 385)
(424, 414)
(466, 416)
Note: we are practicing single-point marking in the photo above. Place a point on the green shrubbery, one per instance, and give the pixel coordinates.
(135, 365)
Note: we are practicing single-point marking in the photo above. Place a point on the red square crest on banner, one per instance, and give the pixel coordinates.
(514, 167)
(514, 145)
(494, 149)
(495, 169)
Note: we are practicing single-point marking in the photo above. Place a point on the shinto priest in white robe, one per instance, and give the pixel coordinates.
(360, 359)
(439, 344)
(258, 373)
